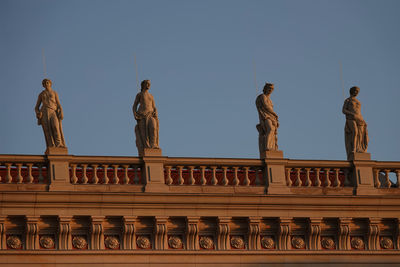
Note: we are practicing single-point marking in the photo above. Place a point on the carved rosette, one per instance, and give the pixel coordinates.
(14, 242)
(79, 242)
(143, 242)
(111, 242)
(206, 242)
(386, 243)
(237, 242)
(175, 242)
(46, 242)
(357, 243)
(298, 242)
(328, 243)
(267, 242)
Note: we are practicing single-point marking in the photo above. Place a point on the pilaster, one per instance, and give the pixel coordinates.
(284, 233)
(192, 233)
(32, 232)
(314, 232)
(58, 172)
(64, 232)
(3, 244)
(96, 232)
(344, 233)
(275, 179)
(363, 173)
(373, 233)
(223, 232)
(254, 233)
(160, 233)
(129, 236)
(153, 169)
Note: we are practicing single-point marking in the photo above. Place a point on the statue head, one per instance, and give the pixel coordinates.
(145, 84)
(268, 88)
(354, 91)
(45, 82)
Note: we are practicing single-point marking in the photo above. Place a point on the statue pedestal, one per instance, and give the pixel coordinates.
(56, 151)
(150, 152)
(277, 154)
(360, 156)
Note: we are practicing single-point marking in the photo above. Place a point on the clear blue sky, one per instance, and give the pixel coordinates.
(199, 57)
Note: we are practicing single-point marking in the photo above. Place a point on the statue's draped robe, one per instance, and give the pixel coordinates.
(263, 103)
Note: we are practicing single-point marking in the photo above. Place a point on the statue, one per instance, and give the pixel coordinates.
(147, 126)
(49, 114)
(355, 130)
(268, 126)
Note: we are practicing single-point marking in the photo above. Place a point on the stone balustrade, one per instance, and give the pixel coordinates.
(301, 173)
(23, 169)
(105, 170)
(272, 176)
(213, 172)
(382, 173)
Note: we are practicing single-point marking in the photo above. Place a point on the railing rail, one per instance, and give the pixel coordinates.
(382, 172)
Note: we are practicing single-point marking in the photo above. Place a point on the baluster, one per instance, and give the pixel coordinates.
(327, 182)
(376, 178)
(398, 178)
(8, 176)
(85, 179)
(336, 182)
(288, 180)
(308, 180)
(317, 180)
(95, 179)
(105, 178)
(214, 180)
(40, 178)
(246, 181)
(298, 180)
(169, 179)
(116, 179)
(203, 180)
(257, 181)
(225, 180)
(19, 179)
(388, 183)
(346, 177)
(74, 179)
(126, 177)
(191, 175)
(181, 181)
(235, 177)
(136, 178)
(29, 180)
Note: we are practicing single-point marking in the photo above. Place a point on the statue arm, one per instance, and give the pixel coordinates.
(37, 110)
(135, 105)
(60, 112)
(154, 109)
(345, 110)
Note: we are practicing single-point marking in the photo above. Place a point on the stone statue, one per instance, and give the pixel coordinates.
(268, 126)
(49, 114)
(355, 130)
(147, 126)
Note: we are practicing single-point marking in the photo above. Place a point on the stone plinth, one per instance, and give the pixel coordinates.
(56, 151)
(360, 156)
(150, 152)
(277, 154)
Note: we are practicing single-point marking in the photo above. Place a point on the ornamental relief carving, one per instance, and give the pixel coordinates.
(267, 242)
(79, 242)
(206, 242)
(46, 242)
(328, 243)
(175, 242)
(357, 243)
(143, 242)
(111, 242)
(386, 243)
(298, 242)
(237, 242)
(14, 242)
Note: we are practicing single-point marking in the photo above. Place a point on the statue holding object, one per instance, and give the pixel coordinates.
(355, 131)
(49, 114)
(268, 126)
(145, 113)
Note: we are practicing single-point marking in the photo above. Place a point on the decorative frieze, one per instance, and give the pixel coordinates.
(206, 242)
(298, 242)
(79, 242)
(14, 242)
(47, 242)
(175, 242)
(112, 242)
(328, 242)
(237, 242)
(357, 242)
(267, 242)
(143, 242)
